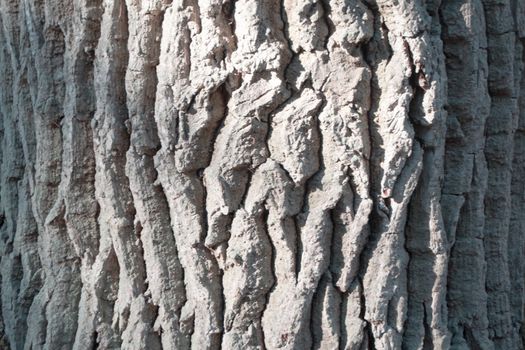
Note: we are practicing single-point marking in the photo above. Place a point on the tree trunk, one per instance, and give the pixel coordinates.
(262, 174)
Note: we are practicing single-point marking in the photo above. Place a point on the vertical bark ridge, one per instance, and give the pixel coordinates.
(53, 315)
(144, 26)
(14, 190)
(191, 102)
(499, 132)
(114, 272)
(462, 199)
(77, 186)
(20, 265)
(397, 159)
(515, 243)
(164, 274)
(427, 244)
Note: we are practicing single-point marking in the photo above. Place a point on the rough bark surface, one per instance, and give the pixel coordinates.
(248, 174)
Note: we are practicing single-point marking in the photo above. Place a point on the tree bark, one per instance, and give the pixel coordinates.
(248, 174)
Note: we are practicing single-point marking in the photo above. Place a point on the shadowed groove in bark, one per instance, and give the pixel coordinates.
(207, 174)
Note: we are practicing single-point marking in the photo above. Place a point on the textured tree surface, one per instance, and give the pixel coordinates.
(262, 174)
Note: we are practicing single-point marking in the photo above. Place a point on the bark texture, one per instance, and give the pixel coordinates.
(249, 174)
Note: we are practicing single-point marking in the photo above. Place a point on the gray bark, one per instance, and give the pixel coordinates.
(248, 174)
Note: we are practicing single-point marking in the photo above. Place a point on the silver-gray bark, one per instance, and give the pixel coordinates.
(248, 174)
